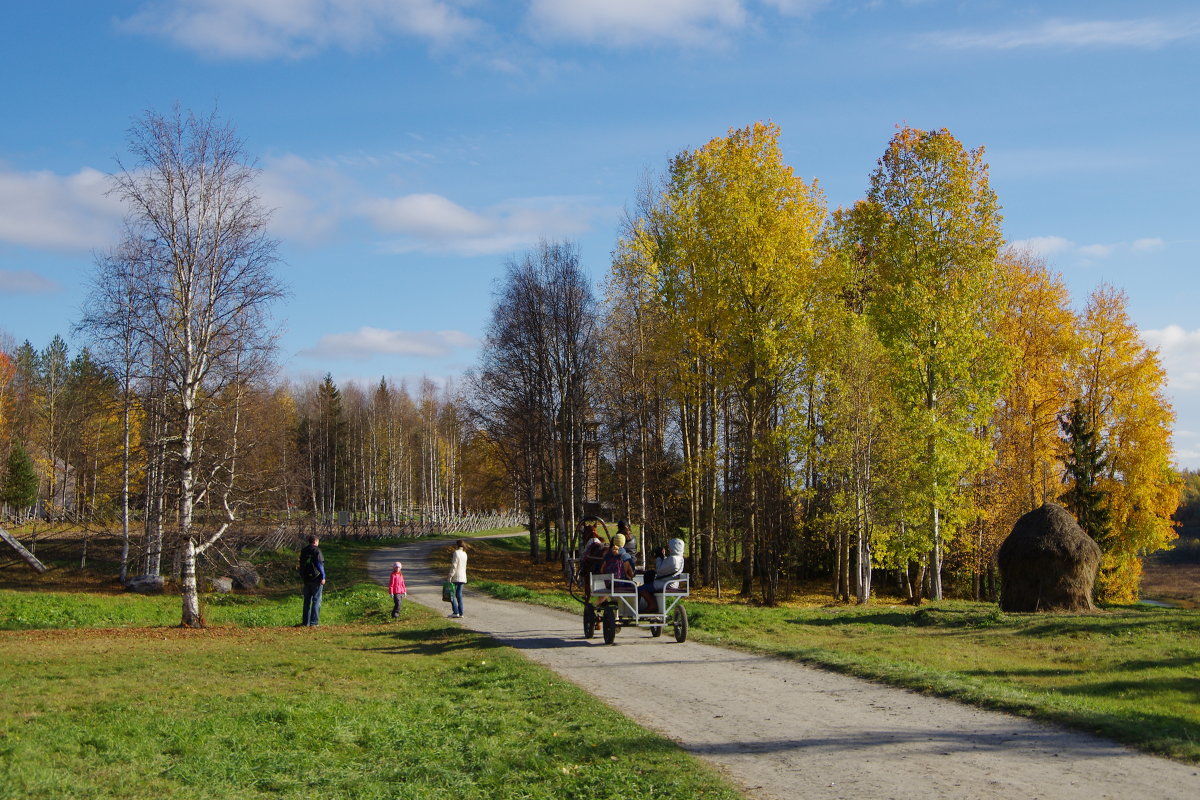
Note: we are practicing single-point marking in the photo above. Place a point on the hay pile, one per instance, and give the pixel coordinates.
(1048, 563)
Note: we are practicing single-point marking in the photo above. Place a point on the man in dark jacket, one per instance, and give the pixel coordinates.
(312, 572)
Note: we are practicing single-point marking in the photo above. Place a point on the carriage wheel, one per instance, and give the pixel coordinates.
(610, 624)
(679, 622)
(656, 630)
(589, 621)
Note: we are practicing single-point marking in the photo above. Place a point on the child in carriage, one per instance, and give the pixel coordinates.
(617, 563)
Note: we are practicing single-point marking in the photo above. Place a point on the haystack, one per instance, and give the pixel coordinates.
(1047, 563)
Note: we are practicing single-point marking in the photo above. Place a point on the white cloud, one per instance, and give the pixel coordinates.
(57, 212)
(1179, 350)
(797, 8)
(297, 28)
(1133, 33)
(1047, 246)
(367, 342)
(427, 216)
(433, 223)
(25, 282)
(1044, 245)
(630, 22)
(1097, 250)
(308, 201)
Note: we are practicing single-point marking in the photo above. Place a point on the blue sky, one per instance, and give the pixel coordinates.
(410, 147)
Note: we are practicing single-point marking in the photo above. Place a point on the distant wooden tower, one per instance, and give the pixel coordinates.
(591, 463)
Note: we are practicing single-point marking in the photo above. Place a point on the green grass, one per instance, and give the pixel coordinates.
(1129, 673)
(417, 709)
(348, 597)
(103, 697)
(26, 610)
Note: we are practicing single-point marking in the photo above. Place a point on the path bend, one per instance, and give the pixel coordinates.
(784, 730)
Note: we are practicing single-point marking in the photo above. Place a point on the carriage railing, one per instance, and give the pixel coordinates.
(624, 592)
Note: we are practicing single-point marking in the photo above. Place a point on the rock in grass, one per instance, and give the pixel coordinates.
(244, 576)
(220, 585)
(145, 584)
(1047, 563)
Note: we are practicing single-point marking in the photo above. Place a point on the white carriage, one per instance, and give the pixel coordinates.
(616, 605)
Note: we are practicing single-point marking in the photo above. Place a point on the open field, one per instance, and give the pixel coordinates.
(104, 698)
(1129, 673)
(415, 710)
(1177, 584)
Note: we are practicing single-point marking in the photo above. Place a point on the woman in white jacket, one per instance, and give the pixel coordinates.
(458, 576)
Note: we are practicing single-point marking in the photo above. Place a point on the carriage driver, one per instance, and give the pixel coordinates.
(591, 555)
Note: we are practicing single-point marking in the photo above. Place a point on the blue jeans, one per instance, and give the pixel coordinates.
(312, 603)
(456, 599)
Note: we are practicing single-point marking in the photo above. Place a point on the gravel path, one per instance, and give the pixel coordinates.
(783, 730)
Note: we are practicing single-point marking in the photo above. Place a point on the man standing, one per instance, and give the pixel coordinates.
(312, 572)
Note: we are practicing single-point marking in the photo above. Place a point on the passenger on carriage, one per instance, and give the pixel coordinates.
(630, 540)
(626, 552)
(618, 565)
(667, 567)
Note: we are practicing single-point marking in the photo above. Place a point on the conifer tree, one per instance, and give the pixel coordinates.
(1085, 464)
(20, 487)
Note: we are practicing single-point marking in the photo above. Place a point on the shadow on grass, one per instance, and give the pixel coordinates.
(1024, 673)
(892, 619)
(1149, 687)
(1106, 625)
(431, 642)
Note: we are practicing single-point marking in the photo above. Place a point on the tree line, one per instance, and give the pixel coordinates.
(171, 422)
(807, 393)
(801, 393)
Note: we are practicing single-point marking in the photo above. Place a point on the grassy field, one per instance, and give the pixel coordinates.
(1130, 673)
(104, 698)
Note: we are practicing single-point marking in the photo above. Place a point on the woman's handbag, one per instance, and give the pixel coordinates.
(447, 588)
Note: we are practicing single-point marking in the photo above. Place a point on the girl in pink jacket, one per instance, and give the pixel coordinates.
(396, 587)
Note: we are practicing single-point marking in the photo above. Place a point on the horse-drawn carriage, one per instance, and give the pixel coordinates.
(616, 599)
(617, 604)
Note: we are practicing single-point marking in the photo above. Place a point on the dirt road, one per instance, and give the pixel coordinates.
(783, 730)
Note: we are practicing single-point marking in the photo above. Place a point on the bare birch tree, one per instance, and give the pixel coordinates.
(202, 276)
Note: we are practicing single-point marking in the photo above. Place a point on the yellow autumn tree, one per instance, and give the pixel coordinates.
(1040, 329)
(1123, 388)
(934, 300)
(729, 249)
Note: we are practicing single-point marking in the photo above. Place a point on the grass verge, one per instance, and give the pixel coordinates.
(105, 698)
(417, 709)
(1129, 673)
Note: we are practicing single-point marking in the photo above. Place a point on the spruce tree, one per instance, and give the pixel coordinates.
(1085, 462)
(20, 487)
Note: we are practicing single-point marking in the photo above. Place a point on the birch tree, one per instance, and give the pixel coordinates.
(203, 278)
(111, 318)
(936, 250)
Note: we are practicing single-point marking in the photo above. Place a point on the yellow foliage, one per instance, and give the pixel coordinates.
(1040, 329)
(1123, 385)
